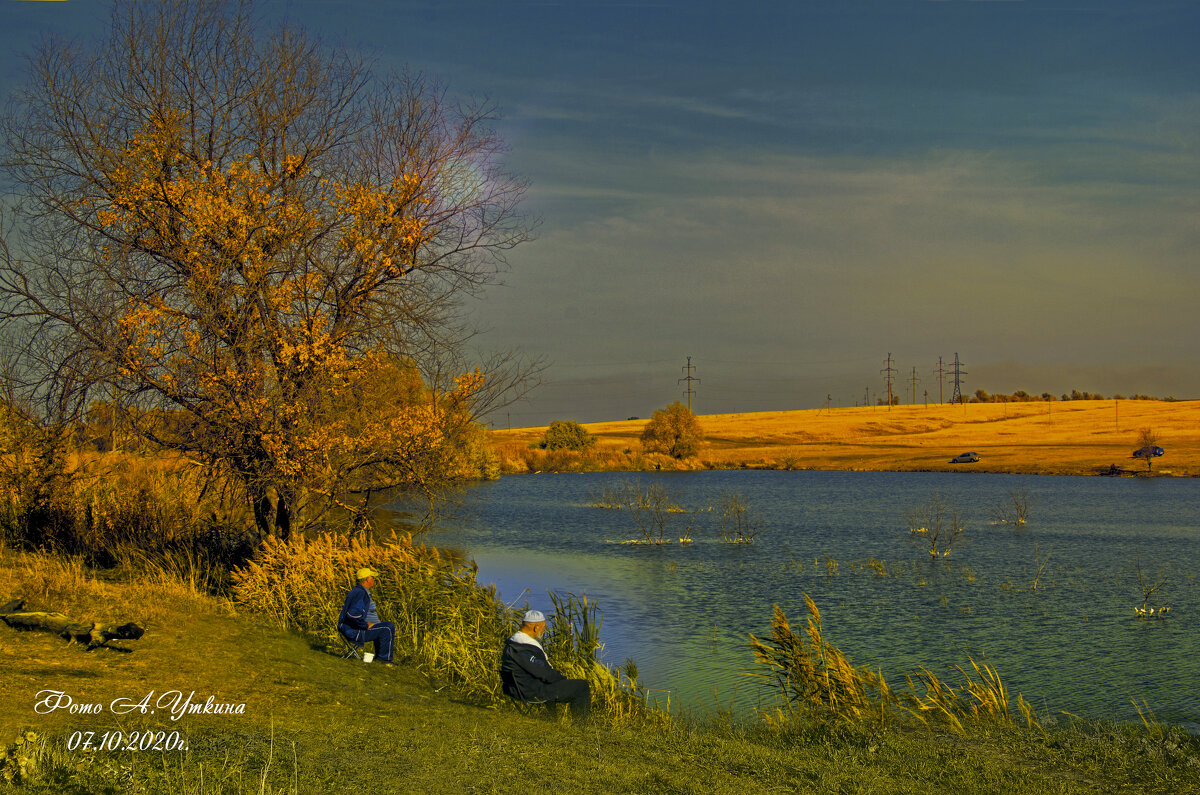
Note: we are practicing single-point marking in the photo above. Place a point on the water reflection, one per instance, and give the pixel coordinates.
(682, 612)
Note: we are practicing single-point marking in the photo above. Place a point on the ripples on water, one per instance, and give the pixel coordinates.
(683, 612)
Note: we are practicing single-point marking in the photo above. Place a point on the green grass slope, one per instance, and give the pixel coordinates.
(310, 722)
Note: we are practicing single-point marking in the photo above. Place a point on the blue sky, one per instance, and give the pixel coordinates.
(789, 192)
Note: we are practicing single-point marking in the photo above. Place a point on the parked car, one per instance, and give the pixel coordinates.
(1151, 451)
(965, 458)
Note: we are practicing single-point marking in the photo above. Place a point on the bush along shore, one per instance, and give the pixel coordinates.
(238, 684)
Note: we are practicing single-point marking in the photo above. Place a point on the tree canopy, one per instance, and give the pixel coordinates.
(674, 431)
(253, 230)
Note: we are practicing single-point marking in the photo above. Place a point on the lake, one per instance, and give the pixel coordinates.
(683, 612)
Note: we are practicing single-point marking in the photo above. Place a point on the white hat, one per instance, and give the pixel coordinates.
(532, 617)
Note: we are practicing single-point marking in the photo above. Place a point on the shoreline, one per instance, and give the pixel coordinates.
(1078, 437)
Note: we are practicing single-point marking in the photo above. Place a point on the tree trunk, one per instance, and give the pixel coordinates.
(283, 517)
(92, 634)
(261, 503)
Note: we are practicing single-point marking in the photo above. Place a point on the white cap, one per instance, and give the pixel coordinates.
(532, 617)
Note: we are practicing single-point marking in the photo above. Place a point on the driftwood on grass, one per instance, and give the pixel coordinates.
(93, 634)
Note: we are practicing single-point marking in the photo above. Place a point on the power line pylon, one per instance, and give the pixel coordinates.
(828, 405)
(956, 397)
(689, 379)
(889, 369)
(941, 380)
(914, 383)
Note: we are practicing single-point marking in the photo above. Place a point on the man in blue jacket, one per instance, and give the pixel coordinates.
(359, 621)
(528, 675)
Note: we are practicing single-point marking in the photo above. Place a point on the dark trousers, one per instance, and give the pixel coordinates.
(575, 692)
(383, 634)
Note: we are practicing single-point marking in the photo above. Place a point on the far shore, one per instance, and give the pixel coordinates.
(1075, 437)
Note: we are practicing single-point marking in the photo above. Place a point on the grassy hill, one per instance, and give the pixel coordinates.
(1078, 437)
(314, 723)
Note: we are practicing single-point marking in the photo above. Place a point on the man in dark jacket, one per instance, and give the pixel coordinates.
(528, 676)
(359, 621)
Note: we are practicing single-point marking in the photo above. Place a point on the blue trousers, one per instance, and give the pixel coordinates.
(382, 634)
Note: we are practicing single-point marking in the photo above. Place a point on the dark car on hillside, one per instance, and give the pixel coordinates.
(1150, 451)
(965, 458)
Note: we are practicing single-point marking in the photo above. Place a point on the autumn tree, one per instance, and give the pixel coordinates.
(255, 233)
(674, 431)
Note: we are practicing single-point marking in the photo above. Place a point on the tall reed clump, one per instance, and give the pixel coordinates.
(573, 647)
(301, 583)
(817, 682)
(106, 511)
(446, 623)
(69, 585)
(815, 679)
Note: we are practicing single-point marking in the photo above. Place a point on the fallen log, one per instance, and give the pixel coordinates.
(93, 634)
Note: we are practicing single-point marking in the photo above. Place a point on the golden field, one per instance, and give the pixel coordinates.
(1077, 437)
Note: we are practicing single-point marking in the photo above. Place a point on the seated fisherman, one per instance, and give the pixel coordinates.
(530, 677)
(359, 621)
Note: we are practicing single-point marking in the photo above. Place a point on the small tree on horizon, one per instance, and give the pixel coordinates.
(674, 431)
(1147, 438)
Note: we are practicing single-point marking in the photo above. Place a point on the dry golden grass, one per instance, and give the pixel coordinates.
(1078, 437)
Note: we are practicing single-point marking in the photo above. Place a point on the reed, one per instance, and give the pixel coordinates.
(573, 645)
(814, 677)
(816, 681)
(104, 507)
(447, 624)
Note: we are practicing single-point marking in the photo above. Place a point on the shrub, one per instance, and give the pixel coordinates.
(674, 431)
(567, 435)
(935, 526)
(736, 523)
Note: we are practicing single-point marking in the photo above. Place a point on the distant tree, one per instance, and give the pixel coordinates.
(674, 431)
(1148, 440)
(567, 435)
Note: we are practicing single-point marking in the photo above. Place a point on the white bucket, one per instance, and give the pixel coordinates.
(368, 656)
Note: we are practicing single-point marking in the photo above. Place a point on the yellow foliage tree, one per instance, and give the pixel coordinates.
(255, 233)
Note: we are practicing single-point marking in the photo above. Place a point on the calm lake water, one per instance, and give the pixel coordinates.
(683, 612)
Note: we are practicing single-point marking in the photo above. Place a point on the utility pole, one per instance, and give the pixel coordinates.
(688, 377)
(867, 396)
(941, 381)
(914, 383)
(888, 370)
(958, 374)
